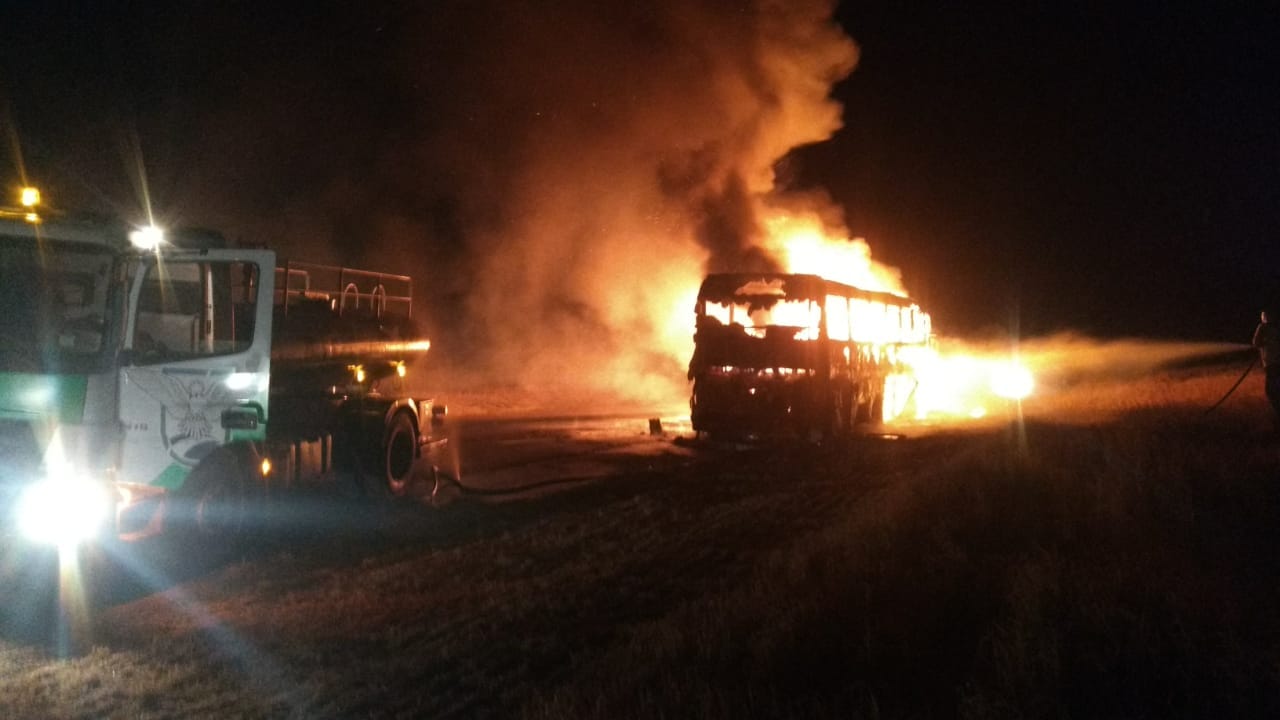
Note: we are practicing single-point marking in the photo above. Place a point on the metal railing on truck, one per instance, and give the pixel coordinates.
(330, 316)
(345, 289)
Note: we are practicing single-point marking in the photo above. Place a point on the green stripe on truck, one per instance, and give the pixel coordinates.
(29, 396)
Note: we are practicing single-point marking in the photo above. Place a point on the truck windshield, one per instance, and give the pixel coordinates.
(54, 301)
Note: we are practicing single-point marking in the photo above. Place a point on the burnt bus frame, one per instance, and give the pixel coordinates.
(776, 384)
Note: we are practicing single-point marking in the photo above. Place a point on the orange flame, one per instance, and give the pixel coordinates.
(937, 383)
(803, 245)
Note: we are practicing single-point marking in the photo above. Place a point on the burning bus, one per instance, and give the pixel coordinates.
(778, 353)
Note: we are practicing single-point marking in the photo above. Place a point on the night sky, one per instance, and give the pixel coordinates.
(1112, 172)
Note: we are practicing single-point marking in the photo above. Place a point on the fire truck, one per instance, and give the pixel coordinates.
(152, 384)
(792, 354)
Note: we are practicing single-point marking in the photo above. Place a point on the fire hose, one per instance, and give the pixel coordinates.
(446, 484)
(1233, 387)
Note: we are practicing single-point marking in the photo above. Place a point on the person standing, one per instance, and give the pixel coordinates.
(1267, 339)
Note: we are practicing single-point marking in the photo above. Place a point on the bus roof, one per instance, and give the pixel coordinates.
(727, 287)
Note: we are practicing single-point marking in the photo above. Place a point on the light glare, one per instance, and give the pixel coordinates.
(357, 371)
(241, 380)
(1012, 382)
(62, 512)
(147, 238)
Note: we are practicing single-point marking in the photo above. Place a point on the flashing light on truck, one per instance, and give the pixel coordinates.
(28, 200)
(147, 238)
(29, 197)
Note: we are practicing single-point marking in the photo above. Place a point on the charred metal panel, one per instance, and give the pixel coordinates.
(730, 346)
(760, 403)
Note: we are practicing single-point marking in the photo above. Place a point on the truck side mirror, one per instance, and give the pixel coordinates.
(438, 413)
(241, 418)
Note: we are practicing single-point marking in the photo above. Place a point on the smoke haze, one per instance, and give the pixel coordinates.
(603, 159)
(557, 175)
(1066, 358)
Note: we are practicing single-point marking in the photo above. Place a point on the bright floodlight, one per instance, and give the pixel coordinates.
(147, 238)
(30, 197)
(62, 512)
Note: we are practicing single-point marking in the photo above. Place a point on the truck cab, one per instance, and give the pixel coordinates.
(120, 364)
(136, 387)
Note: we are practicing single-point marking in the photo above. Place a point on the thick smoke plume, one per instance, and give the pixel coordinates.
(558, 174)
(605, 158)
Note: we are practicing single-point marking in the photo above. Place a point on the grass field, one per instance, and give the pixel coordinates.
(1114, 555)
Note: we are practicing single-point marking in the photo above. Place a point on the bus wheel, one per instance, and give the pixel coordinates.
(399, 452)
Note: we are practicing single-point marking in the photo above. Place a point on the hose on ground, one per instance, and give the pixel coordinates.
(1233, 387)
(444, 480)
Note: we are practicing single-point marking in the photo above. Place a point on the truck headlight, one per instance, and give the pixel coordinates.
(62, 511)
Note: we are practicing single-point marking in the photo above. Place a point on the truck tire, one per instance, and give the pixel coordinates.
(398, 455)
(213, 504)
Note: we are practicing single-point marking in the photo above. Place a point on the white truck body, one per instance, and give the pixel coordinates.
(142, 381)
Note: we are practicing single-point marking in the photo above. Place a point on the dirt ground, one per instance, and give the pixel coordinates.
(888, 575)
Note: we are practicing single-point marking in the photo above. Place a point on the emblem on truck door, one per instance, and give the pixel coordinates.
(191, 405)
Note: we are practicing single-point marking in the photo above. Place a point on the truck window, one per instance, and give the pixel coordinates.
(56, 299)
(194, 309)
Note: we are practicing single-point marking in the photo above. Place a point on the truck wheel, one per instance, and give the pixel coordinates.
(399, 452)
(213, 503)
